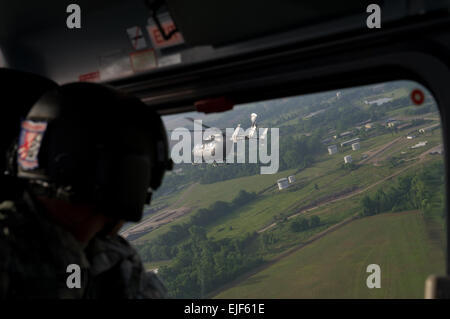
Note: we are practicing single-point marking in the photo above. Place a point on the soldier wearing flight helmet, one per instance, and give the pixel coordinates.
(90, 158)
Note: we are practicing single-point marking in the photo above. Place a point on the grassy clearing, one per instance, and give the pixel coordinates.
(203, 195)
(335, 265)
(261, 213)
(224, 191)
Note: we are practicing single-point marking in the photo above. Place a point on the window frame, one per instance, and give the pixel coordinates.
(418, 52)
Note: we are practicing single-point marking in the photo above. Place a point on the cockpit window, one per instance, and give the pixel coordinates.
(337, 194)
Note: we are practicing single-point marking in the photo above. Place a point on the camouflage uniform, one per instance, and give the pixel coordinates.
(35, 253)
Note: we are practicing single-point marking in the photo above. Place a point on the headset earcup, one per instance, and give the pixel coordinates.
(161, 152)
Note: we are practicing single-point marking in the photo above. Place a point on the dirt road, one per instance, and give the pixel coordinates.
(372, 155)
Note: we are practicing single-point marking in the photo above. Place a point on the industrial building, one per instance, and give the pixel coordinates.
(389, 120)
(332, 149)
(391, 124)
(349, 142)
(347, 159)
(344, 134)
(355, 146)
(283, 183)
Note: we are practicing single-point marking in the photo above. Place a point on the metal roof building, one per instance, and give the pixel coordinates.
(332, 149)
(353, 140)
(282, 183)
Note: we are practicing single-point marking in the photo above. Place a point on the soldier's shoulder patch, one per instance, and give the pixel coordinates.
(30, 140)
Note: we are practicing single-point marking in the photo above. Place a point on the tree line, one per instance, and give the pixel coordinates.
(301, 224)
(202, 264)
(165, 245)
(422, 190)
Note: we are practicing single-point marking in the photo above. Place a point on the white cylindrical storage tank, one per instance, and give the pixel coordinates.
(282, 183)
(347, 159)
(355, 146)
(291, 179)
(332, 149)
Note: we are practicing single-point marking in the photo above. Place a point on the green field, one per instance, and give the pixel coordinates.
(203, 195)
(335, 265)
(224, 191)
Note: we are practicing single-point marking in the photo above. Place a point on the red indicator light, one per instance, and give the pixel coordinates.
(417, 96)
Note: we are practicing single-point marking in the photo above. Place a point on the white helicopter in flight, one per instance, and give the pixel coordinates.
(212, 143)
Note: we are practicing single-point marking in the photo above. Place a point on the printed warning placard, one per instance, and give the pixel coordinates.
(157, 38)
(136, 37)
(143, 60)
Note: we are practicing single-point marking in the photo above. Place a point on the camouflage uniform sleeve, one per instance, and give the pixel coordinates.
(34, 255)
(151, 287)
(117, 272)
